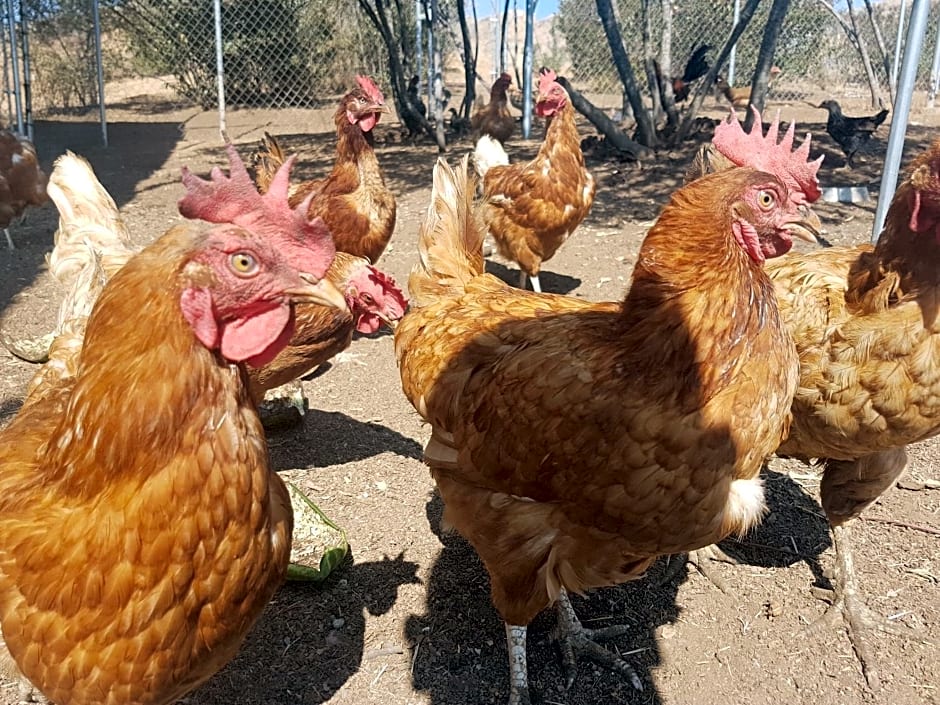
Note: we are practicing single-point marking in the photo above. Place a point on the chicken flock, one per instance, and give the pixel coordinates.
(572, 442)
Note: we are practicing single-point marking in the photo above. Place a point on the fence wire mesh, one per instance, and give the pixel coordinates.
(303, 53)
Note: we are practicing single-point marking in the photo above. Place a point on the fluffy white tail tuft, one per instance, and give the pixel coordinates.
(487, 154)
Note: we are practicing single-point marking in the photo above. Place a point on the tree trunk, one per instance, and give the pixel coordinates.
(604, 124)
(437, 104)
(765, 58)
(503, 28)
(879, 39)
(645, 129)
(852, 31)
(665, 67)
(705, 85)
(406, 112)
(469, 60)
(649, 61)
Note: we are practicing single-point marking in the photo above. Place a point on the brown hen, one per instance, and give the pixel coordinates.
(864, 320)
(494, 118)
(573, 442)
(22, 180)
(530, 209)
(142, 531)
(354, 202)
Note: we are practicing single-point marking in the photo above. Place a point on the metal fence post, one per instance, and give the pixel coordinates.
(219, 64)
(732, 55)
(101, 107)
(527, 52)
(15, 65)
(902, 108)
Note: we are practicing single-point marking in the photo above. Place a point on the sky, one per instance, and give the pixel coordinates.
(543, 9)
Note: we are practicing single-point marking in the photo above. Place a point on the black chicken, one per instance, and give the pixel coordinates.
(696, 67)
(850, 132)
(415, 98)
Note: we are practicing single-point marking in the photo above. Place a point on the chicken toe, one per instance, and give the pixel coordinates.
(702, 559)
(574, 638)
(848, 608)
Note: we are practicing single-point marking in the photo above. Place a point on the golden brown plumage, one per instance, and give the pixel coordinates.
(494, 118)
(864, 320)
(141, 529)
(574, 442)
(530, 209)
(357, 206)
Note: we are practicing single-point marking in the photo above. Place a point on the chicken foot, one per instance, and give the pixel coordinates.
(700, 558)
(574, 638)
(846, 606)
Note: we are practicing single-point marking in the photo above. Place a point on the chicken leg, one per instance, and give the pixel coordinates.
(573, 638)
(536, 285)
(848, 487)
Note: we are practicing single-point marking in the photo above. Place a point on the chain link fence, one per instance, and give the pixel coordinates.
(303, 53)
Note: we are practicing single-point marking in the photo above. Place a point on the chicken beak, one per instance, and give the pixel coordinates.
(375, 108)
(387, 321)
(807, 227)
(321, 292)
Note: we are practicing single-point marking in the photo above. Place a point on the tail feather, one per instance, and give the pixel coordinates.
(266, 161)
(697, 65)
(92, 241)
(450, 242)
(487, 154)
(91, 244)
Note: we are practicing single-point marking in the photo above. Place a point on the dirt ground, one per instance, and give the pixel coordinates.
(408, 619)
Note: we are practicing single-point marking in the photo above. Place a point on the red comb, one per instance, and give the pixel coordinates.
(234, 199)
(546, 79)
(763, 152)
(388, 286)
(372, 90)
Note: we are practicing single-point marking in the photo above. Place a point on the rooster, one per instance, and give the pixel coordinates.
(851, 133)
(22, 180)
(696, 67)
(138, 548)
(573, 442)
(863, 320)
(353, 200)
(494, 118)
(530, 209)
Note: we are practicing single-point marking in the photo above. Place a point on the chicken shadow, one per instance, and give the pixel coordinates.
(458, 646)
(340, 439)
(552, 282)
(310, 639)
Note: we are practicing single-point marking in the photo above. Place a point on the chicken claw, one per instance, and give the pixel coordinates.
(845, 604)
(574, 637)
(700, 558)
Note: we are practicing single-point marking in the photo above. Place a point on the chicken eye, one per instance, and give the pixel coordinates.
(766, 199)
(367, 299)
(244, 264)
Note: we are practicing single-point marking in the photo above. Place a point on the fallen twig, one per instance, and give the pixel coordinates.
(906, 525)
